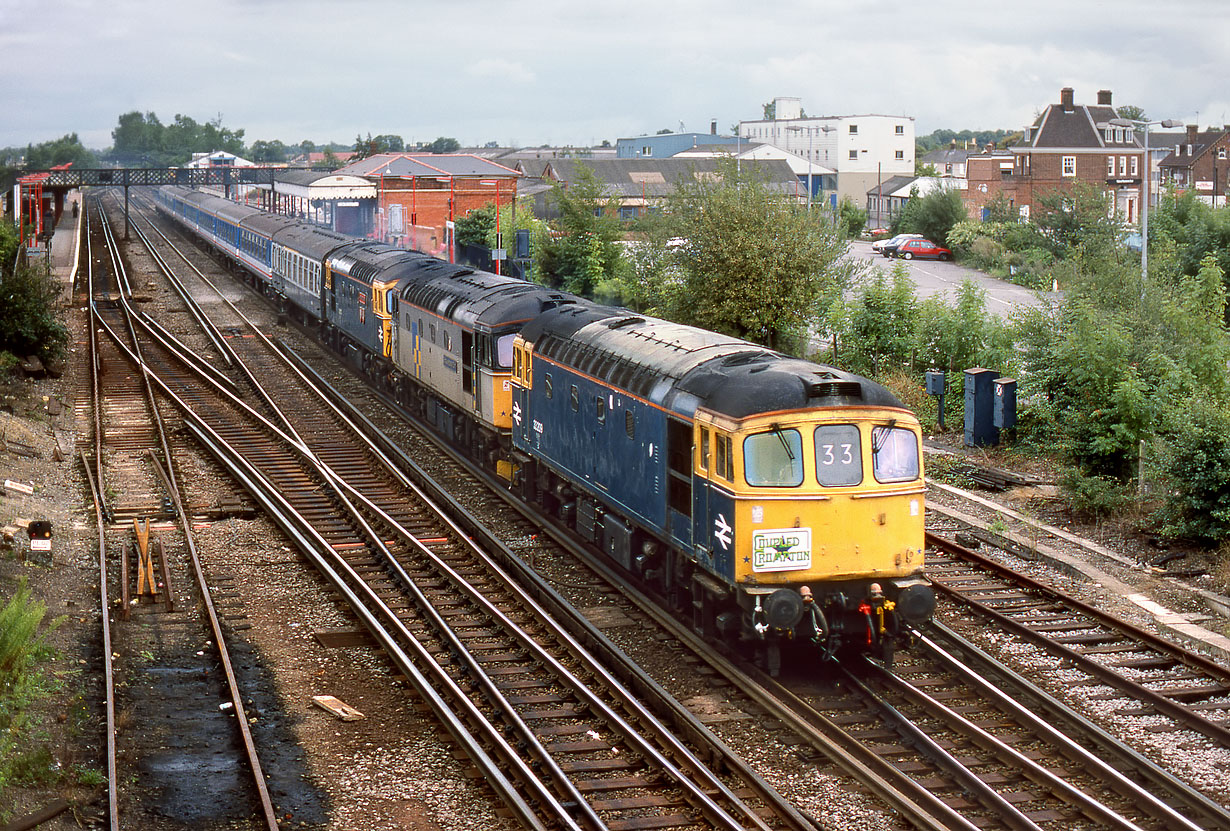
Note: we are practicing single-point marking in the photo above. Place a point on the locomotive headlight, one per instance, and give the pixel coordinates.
(783, 609)
(916, 602)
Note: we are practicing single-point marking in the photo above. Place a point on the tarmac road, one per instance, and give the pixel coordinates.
(932, 277)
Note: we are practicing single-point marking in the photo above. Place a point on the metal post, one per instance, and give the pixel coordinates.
(810, 162)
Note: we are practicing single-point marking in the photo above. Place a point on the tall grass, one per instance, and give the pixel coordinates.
(22, 649)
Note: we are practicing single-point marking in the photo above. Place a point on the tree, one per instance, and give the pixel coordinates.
(443, 145)
(1133, 112)
(1081, 217)
(585, 253)
(851, 219)
(65, 150)
(137, 137)
(770, 110)
(28, 322)
(754, 263)
(267, 151)
(932, 215)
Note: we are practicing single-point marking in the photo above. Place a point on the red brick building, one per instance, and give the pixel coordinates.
(1069, 143)
(1200, 163)
(420, 195)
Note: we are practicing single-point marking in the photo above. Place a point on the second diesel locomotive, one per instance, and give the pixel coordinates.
(766, 498)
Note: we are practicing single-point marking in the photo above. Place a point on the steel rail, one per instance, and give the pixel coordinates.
(922, 808)
(1090, 807)
(313, 545)
(1166, 706)
(95, 479)
(710, 781)
(167, 473)
(1126, 757)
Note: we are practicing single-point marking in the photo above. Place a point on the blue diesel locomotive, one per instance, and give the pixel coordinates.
(766, 498)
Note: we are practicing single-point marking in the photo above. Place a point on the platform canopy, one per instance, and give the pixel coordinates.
(326, 185)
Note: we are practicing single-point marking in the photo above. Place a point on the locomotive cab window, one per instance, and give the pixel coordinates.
(839, 458)
(894, 454)
(504, 351)
(704, 448)
(773, 459)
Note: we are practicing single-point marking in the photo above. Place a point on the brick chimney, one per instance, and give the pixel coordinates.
(1103, 98)
(1065, 99)
(713, 127)
(1192, 129)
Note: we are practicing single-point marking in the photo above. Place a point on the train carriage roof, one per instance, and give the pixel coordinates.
(478, 299)
(232, 212)
(312, 241)
(268, 224)
(683, 368)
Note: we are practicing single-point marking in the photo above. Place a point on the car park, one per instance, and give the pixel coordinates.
(922, 249)
(879, 245)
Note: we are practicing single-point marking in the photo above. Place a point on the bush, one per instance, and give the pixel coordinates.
(28, 322)
(21, 648)
(1096, 497)
(1196, 463)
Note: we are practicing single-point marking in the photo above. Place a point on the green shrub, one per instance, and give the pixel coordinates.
(22, 646)
(1196, 464)
(1094, 496)
(28, 322)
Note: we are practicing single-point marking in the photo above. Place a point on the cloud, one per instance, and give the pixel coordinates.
(503, 70)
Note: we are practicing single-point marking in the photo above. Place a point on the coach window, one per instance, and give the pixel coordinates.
(433, 333)
(839, 458)
(774, 459)
(546, 384)
(894, 454)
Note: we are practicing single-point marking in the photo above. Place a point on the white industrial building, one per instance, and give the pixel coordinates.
(864, 150)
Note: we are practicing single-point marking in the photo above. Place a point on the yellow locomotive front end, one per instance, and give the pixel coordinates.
(826, 522)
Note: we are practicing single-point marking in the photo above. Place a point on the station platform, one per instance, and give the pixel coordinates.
(66, 244)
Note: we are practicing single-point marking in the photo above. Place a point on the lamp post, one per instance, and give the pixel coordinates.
(1146, 187)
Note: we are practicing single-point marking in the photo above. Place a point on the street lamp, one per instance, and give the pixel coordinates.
(811, 131)
(1168, 123)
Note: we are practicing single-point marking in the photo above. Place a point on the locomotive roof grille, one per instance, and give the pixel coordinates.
(835, 389)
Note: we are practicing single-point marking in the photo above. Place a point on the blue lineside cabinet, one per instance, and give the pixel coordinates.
(980, 429)
(1003, 411)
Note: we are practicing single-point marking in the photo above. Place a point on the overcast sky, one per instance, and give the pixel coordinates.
(575, 72)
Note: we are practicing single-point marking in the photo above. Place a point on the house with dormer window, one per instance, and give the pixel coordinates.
(1069, 143)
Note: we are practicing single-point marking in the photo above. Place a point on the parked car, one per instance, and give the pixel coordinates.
(923, 249)
(879, 245)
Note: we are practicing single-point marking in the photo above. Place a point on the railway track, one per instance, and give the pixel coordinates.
(562, 740)
(962, 791)
(187, 759)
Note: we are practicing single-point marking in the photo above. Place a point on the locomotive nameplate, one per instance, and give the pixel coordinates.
(781, 549)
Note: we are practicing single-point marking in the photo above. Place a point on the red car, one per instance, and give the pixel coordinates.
(922, 249)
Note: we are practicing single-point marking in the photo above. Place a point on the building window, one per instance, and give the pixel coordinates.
(646, 150)
(1135, 165)
(1110, 165)
(900, 130)
(854, 129)
(900, 154)
(853, 155)
(1221, 152)
(1123, 165)
(1069, 165)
